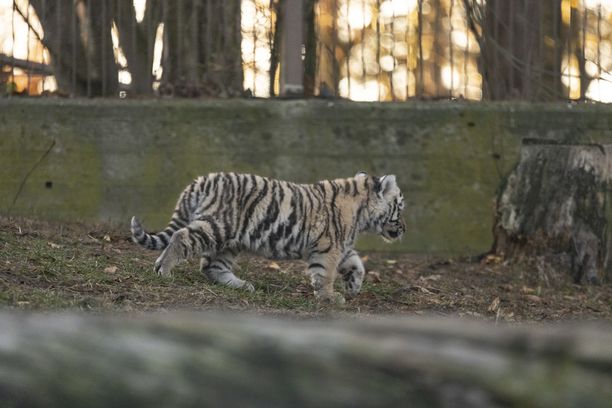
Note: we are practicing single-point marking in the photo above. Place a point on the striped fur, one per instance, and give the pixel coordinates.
(221, 214)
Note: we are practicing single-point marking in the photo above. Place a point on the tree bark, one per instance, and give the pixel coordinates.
(138, 42)
(207, 360)
(551, 88)
(202, 48)
(553, 207)
(521, 44)
(79, 40)
(310, 44)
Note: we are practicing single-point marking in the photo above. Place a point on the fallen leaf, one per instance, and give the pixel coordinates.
(507, 287)
(533, 298)
(430, 278)
(494, 305)
(365, 259)
(390, 261)
(492, 259)
(94, 239)
(568, 297)
(525, 289)
(422, 289)
(110, 269)
(53, 245)
(275, 267)
(373, 277)
(107, 238)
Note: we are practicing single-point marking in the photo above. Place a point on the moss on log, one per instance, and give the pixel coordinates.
(215, 360)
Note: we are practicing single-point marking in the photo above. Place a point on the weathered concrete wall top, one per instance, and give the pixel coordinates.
(114, 159)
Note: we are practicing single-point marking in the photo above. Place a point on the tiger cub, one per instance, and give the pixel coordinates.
(220, 214)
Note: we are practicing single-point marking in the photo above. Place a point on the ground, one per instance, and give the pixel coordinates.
(51, 266)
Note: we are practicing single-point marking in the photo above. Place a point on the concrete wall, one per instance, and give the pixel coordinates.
(113, 159)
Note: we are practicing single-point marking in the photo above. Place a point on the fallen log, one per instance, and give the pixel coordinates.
(219, 360)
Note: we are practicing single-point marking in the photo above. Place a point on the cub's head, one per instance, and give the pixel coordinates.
(386, 204)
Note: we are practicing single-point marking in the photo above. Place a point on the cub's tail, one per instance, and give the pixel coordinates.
(155, 241)
(180, 218)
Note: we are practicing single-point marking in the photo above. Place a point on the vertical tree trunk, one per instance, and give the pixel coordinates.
(553, 207)
(328, 71)
(310, 40)
(516, 38)
(73, 39)
(277, 6)
(202, 48)
(103, 75)
(577, 48)
(138, 42)
(550, 88)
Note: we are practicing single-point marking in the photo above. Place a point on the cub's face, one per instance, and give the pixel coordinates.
(394, 225)
(386, 207)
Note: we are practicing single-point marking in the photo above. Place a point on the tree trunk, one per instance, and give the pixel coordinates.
(138, 42)
(516, 53)
(327, 65)
(277, 6)
(310, 42)
(551, 88)
(202, 48)
(78, 36)
(218, 361)
(553, 207)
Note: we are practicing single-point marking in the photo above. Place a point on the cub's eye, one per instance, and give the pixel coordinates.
(401, 205)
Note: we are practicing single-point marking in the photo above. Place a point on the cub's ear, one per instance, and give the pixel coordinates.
(385, 184)
(361, 173)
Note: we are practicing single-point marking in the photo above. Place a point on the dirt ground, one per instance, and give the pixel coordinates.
(51, 266)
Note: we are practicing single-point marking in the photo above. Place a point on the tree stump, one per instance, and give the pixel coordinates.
(553, 207)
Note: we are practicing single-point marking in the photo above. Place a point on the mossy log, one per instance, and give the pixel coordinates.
(228, 361)
(554, 207)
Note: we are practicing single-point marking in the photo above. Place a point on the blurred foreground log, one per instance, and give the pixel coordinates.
(224, 361)
(554, 208)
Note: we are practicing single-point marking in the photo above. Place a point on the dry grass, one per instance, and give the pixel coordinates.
(48, 266)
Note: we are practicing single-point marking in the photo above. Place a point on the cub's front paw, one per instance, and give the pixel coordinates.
(248, 286)
(352, 288)
(333, 298)
(161, 269)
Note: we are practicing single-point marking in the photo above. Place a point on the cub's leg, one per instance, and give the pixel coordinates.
(352, 271)
(322, 271)
(218, 269)
(194, 240)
